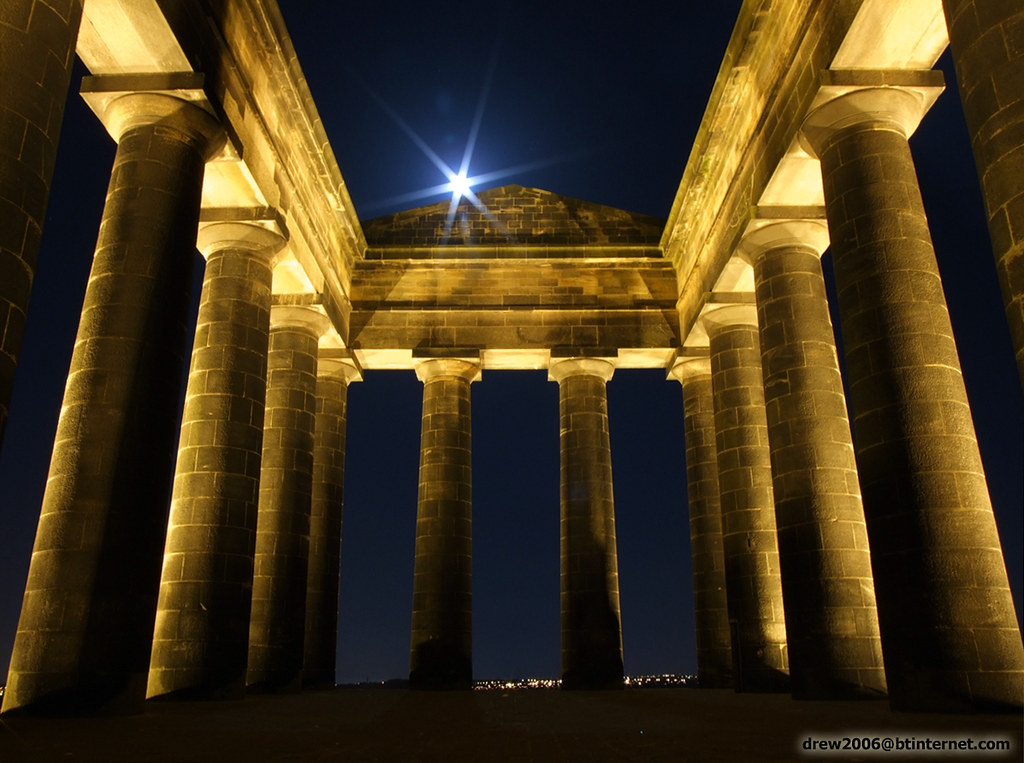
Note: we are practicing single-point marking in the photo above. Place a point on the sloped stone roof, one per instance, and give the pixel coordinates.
(515, 216)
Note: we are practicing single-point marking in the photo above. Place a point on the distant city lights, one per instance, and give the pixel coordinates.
(666, 681)
(663, 681)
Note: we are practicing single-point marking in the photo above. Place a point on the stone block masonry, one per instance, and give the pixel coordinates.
(987, 39)
(710, 602)
(591, 617)
(277, 625)
(201, 638)
(750, 544)
(809, 117)
(442, 597)
(530, 218)
(950, 637)
(325, 520)
(87, 622)
(37, 49)
(828, 594)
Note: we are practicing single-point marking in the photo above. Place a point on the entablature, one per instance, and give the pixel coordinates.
(750, 161)
(236, 60)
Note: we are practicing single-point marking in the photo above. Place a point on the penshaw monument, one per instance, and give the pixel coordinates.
(198, 557)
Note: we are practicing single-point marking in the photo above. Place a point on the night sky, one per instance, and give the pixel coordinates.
(590, 100)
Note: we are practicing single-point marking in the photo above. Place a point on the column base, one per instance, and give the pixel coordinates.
(767, 682)
(93, 699)
(594, 677)
(440, 667)
(291, 686)
(838, 691)
(210, 693)
(714, 681)
(997, 692)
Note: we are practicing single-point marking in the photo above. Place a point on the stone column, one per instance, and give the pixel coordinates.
(442, 598)
(333, 377)
(985, 39)
(87, 620)
(277, 625)
(202, 623)
(37, 49)
(949, 633)
(831, 621)
(753, 582)
(591, 620)
(711, 608)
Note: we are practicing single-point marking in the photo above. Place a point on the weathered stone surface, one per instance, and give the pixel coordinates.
(442, 597)
(987, 39)
(37, 49)
(710, 602)
(277, 624)
(925, 496)
(577, 283)
(591, 618)
(750, 545)
(515, 216)
(831, 621)
(322, 588)
(84, 638)
(513, 328)
(541, 275)
(201, 638)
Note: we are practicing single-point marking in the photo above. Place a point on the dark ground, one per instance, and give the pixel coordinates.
(523, 725)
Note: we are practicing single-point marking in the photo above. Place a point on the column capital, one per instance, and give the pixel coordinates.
(462, 368)
(762, 236)
(261, 238)
(689, 366)
(561, 369)
(139, 109)
(299, 316)
(341, 369)
(730, 315)
(894, 108)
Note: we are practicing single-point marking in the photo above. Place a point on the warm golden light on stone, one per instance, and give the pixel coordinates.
(818, 569)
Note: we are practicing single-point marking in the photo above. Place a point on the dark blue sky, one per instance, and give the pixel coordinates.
(608, 98)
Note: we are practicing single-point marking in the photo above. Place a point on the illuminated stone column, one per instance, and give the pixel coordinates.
(949, 632)
(87, 620)
(711, 608)
(333, 377)
(989, 57)
(37, 49)
(277, 625)
(753, 582)
(591, 621)
(202, 624)
(442, 597)
(831, 621)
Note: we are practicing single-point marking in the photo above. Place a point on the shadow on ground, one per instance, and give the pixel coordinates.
(524, 725)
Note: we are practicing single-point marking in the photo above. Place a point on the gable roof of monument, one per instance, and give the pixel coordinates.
(515, 216)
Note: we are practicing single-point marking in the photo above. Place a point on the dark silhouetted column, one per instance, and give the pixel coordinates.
(831, 621)
(753, 582)
(985, 37)
(442, 596)
(277, 625)
(201, 640)
(949, 633)
(710, 603)
(87, 620)
(333, 377)
(37, 49)
(591, 619)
